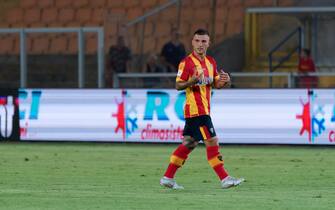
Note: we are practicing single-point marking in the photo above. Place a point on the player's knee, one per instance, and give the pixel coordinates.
(190, 143)
(214, 141)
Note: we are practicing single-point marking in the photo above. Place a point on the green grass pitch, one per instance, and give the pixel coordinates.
(70, 176)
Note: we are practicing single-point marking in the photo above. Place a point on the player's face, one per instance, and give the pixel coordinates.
(200, 43)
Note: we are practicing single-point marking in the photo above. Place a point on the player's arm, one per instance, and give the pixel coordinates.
(184, 78)
(181, 85)
(222, 80)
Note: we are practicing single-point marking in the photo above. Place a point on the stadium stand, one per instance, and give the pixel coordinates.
(74, 13)
(114, 15)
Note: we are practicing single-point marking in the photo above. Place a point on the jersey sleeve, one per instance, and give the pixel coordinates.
(183, 73)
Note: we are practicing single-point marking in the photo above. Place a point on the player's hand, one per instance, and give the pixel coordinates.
(223, 81)
(224, 77)
(197, 75)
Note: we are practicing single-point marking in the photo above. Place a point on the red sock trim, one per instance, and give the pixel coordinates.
(182, 151)
(171, 170)
(212, 151)
(220, 171)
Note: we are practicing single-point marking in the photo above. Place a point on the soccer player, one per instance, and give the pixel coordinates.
(197, 74)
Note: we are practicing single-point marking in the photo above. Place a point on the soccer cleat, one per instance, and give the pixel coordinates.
(231, 182)
(170, 183)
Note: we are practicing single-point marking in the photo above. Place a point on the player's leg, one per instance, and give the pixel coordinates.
(214, 157)
(178, 159)
(179, 156)
(215, 160)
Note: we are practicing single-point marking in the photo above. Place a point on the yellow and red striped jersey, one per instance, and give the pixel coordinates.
(198, 96)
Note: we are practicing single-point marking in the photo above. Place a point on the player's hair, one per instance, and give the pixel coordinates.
(307, 51)
(201, 31)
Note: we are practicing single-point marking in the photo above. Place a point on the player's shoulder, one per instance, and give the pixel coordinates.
(211, 59)
(187, 60)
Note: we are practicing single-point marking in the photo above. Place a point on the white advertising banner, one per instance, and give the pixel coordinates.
(259, 116)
